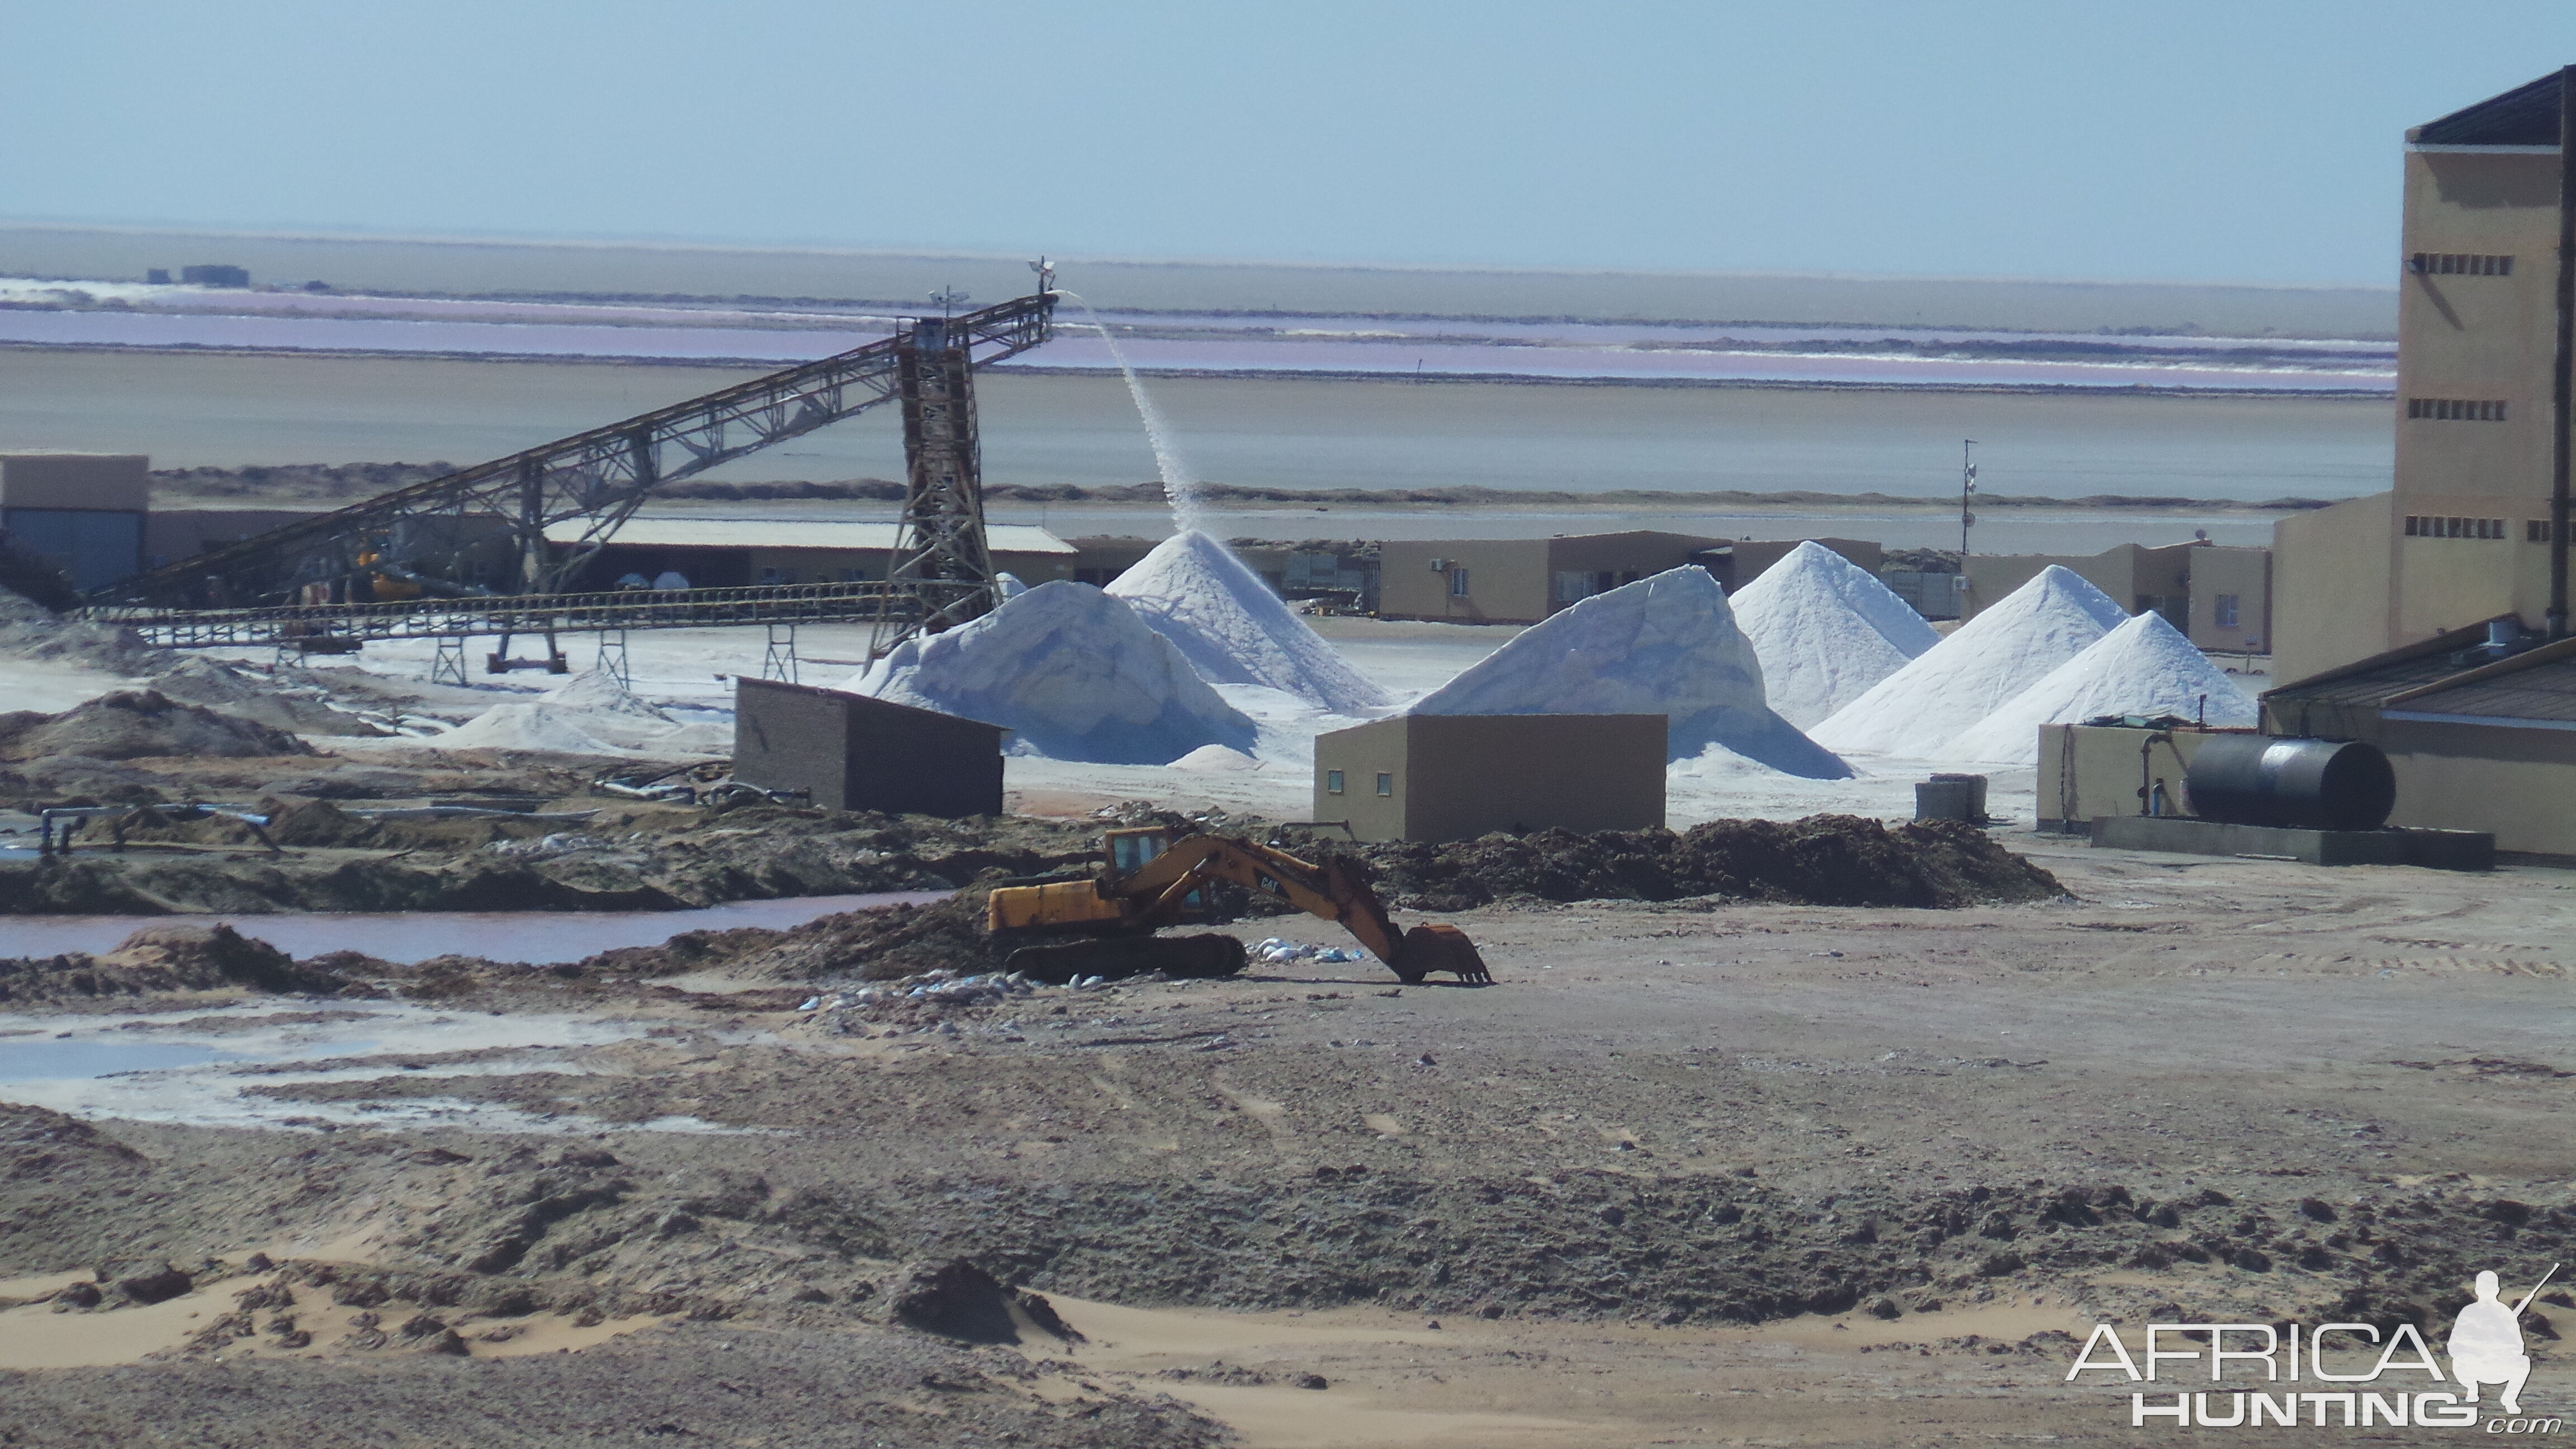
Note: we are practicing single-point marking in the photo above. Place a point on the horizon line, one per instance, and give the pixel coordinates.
(1498, 269)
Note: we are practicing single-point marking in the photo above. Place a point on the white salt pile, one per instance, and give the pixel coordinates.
(1665, 645)
(1959, 681)
(522, 727)
(1825, 630)
(1074, 673)
(2143, 667)
(1216, 759)
(591, 713)
(1193, 591)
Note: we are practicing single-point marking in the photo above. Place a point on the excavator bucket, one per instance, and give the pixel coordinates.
(1430, 948)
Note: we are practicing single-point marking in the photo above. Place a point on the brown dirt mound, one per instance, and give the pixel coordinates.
(136, 723)
(248, 693)
(166, 958)
(1823, 860)
(957, 1299)
(38, 1143)
(886, 944)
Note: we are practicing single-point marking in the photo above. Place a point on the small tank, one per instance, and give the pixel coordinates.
(2299, 784)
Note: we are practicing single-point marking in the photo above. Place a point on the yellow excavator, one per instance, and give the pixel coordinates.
(1102, 923)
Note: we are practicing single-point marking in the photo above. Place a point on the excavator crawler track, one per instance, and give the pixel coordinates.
(1116, 958)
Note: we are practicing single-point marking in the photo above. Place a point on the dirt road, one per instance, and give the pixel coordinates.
(1735, 1174)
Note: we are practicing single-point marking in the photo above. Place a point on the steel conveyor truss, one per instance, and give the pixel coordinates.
(432, 530)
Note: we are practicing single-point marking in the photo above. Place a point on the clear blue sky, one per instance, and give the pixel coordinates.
(2247, 141)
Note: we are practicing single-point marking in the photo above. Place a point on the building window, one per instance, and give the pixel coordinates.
(2535, 530)
(2224, 615)
(1573, 586)
(1457, 583)
(2425, 525)
(1385, 783)
(2456, 410)
(1332, 782)
(2459, 264)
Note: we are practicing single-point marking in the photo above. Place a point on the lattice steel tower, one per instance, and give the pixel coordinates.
(941, 573)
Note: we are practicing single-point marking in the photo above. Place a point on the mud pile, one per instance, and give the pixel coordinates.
(160, 959)
(29, 630)
(1823, 860)
(627, 858)
(247, 693)
(886, 944)
(139, 723)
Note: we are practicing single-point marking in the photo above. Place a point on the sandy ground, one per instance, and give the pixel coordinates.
(2201, 1090)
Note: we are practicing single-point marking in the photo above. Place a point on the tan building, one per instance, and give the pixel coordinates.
(2089, 771)
(724, 553)
(1741, 562)
(1523, 580)
(846, 751)
(2218, 596)
(2463, 536)
(1100, 560)
(1458, 776)
(80, 512)
(2477, 742)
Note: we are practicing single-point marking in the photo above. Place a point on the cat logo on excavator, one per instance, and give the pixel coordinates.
(1151, 879)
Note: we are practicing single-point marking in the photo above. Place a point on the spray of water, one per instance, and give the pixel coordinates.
(1180, 485)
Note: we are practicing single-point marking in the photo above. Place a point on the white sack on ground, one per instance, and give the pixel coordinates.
(1073, 673)
(1959, 681)
(1825, 630)
(1193, 591)
(1665, 645)
(2143, 667)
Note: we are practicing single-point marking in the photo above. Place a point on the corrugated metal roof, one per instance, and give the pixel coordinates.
(2538, 687)
(2523, 116)
(668, 532)
(2370, 681)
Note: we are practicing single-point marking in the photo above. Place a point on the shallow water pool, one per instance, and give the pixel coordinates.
(536, 937)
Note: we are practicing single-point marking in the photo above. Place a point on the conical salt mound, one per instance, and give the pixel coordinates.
(1666, 645)
(1959, 681)
(1825, 630)
(1193, 591)
(2143, 667)
(1073, 673)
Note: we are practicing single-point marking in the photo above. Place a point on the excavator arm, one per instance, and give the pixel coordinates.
(1331, 890)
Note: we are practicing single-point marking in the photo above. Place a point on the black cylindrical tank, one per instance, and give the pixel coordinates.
(2301, 784)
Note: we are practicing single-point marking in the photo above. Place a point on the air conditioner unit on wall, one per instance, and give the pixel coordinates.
(1440, 565)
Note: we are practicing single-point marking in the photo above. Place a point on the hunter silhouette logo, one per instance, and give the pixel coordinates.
(2486, 1343)
(2485, 1347)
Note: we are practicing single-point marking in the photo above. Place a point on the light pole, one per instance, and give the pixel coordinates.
(1967, 486)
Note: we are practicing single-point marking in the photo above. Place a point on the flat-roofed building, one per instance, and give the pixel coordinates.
(80, 512)
(1523, 580)
(728, 553)
(2463, 536)
(1458, 776)
(848, 751)
(2480, 739)
(1739, 563)
(2218, 595)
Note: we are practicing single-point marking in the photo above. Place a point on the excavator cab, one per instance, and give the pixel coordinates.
(1130, 851)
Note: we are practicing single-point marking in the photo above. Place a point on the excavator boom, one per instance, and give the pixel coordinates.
(1141, 897)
